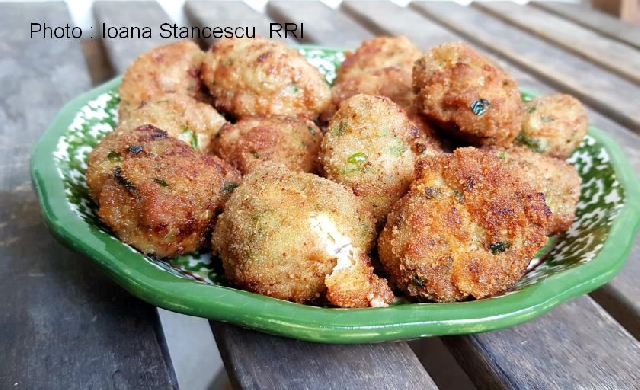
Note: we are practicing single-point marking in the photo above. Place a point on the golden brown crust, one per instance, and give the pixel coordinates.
(556, 179)
(467, 228)
(171, 68)
(181, 116)
(378, 53)
(252, 143)
(371, 146)
(553, 125)
(283, 232)
(467, 95)
(259, 77)
(162, 197)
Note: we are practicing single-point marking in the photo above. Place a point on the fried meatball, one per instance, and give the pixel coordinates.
(378, 53)
(299, 237)
(259, 77)
(556, 179)
(553, 125)
(181, 116)
(371, 146)
(254, 142)
(468, 227)
(163, 196)
(172, 68)
(468, 95)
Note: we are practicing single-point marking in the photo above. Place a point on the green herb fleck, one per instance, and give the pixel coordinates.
(498, 247)
(294, 88)
(339, 129)
(117, 173)
(531, 109)
(502, 155)
(357, 158)
(229, 187)
(114, 157)
(161, 182)
(480, 106)
(458, 195)
(255, 154)
(533, 144)
(417, 281)
(190, 137)
(135, 149)
(311, 130)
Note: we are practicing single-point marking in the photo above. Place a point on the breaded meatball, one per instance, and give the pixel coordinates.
(163, 196)
(371, 146)
(259, 77)
(467, 94)
(378, 53)
(299, 237)
(181, 116)
(391, 82)
(172, 68)
(468, 227)
(556, 179)
(254, 142)
(553, 125)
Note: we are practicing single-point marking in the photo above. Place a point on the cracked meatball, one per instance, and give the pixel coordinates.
(160, 196)
(371, 146)
(259, 77)
(467, 94)
(255, 142)
(556, 179)
(378, 53)
(299, 237)
(553, 125)
(172, 68)
(468, 227)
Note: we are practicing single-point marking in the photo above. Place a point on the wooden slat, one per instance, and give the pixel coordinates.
(323, 25)
(609, 54)
(577, 345)
(229, 13)
(611, 94)
(258, 361)
(64, 324)
(583, 15)
(117, 14)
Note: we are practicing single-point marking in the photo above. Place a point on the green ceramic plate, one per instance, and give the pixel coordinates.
(585, 257)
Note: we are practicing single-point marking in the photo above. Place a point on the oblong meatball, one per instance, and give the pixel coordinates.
(299, 237)
(162, 197)
(556, 179)
(259, 77)
(255, 142)
(467, 94)
(181, 116)
(171, 68)
(468, 227)
(553, 125)
(377, 53)
(371, 146)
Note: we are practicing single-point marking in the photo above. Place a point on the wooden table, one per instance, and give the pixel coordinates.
(64, 325)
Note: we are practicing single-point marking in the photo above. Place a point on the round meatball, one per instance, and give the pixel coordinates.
(299, 237)
(162, 198)
(172, 68)
(259, 77)
(181, 116)
(378, 53)
(371, 146)
(468, 95)
(468, 227)
(255, 142)
(553, 125)
(556, 179)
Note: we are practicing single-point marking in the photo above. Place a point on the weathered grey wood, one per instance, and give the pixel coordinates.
(122, 52)
(609, 93)
(258, 361)
(577, 345)
(64, 324)
(609, 54)
(322, 24)
(229, 13)
(601, 22)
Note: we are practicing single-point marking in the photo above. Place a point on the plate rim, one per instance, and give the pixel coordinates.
(319, 324)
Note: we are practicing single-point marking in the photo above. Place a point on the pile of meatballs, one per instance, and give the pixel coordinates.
(416, 174)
